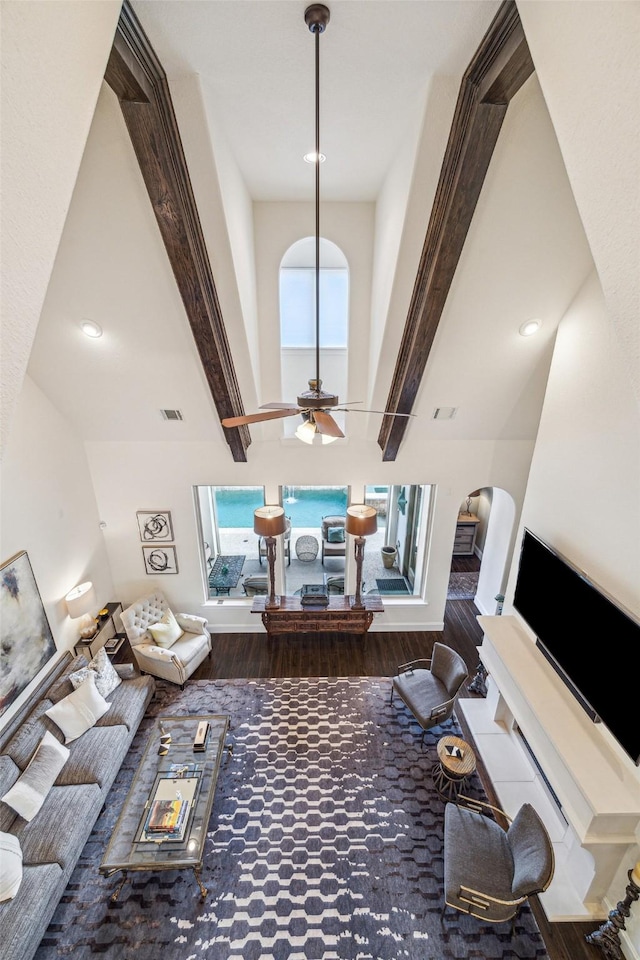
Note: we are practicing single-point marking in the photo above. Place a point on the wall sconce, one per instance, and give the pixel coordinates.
(470, 496)
(79, 602)
(270, 522)
(361, 522)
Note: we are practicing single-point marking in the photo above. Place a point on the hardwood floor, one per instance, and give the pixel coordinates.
(250, 655)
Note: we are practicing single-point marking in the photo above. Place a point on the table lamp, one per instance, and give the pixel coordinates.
(270, 522)
(79, 602)
(361, 522)
(474, 493)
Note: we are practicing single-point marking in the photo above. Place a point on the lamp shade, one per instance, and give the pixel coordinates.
(269, 521)
(361, 520)
(474, 493)
(81, 600)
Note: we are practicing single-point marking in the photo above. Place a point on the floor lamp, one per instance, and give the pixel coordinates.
(361, 522)
(270, 522)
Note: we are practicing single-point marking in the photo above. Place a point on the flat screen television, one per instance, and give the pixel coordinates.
(592, 642)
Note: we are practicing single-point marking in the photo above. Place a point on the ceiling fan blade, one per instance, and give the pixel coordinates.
(384, 413)
(259, 417)
(277, 406)
(326, 424)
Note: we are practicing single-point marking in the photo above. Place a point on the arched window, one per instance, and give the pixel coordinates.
(297, 321)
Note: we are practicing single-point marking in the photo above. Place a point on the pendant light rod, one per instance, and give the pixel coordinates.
(317, 17)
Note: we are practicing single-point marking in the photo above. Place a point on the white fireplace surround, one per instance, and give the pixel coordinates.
(592, 811)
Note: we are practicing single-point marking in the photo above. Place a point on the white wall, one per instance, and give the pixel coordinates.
(582, 495)
(46, 114)
(48, 509)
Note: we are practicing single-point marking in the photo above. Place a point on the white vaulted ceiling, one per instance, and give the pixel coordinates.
(241, 76)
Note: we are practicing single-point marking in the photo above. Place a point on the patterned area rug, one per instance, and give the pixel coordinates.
(325, 842)
(462, 586)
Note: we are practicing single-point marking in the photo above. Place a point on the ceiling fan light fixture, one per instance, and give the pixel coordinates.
(311, 157)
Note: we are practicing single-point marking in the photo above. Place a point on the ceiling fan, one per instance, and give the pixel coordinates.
(314, 405)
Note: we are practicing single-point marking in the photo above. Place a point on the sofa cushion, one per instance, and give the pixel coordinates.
(95, 757)
(62, 687)
(29, 792)
(59, 832)
(9, 773)
(78, 712)
(167, 630)
(335, 534)
(31, 909)
(10, 866)
(24, 742)
(128, 703)
(105, 675)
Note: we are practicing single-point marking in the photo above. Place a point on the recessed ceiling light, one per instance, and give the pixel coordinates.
(91, 329)
(311, 157)
(529, 327)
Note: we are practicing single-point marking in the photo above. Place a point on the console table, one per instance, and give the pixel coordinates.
(337, 616)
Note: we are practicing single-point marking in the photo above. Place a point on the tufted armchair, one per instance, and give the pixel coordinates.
(176, 662)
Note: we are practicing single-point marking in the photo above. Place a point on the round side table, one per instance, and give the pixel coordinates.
(456, 761)
(307, 548)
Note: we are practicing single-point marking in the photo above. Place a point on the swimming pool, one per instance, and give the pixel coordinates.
(306, 506)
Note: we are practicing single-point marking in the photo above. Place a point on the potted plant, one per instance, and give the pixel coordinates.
(389, 555)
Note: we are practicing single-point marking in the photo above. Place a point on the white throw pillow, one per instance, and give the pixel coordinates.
(30, 790)
(10, 866)
(105, 675)
(166, 631)
(78, 712)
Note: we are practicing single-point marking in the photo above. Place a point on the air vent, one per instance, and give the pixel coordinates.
(444, 413)
(171, 414)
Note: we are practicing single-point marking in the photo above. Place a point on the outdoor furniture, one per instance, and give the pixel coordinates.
(176, 662)
(262, 545)
(490, 872)
(334, 584)
(255, 585)
(307, 548)
(333, 537)
(429, 688)
(225, 573)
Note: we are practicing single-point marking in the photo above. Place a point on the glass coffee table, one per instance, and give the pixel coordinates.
(164, 819)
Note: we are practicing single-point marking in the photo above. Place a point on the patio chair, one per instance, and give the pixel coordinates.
(333, 537)
(255, 585)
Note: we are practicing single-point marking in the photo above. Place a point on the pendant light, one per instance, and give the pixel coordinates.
(316, 17)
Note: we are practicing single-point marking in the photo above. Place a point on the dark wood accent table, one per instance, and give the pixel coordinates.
(336, 617)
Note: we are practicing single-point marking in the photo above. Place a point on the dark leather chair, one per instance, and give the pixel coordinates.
(429, 688)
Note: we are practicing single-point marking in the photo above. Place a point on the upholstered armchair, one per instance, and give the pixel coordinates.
(181, 642)
(429, 688)
(333, 537)
(489, 870)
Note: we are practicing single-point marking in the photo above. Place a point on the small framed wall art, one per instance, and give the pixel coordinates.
(155, 526)
(160, 560)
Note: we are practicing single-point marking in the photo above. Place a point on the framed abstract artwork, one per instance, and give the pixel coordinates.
(160, 560)
(26, 641)
(155, 526)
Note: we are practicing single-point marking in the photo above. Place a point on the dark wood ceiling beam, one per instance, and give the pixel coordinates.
(136, 76)
(498, 69)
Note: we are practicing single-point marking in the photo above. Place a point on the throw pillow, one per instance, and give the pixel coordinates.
(11, 859)
(78, 712)
(335, 534)
(166, 631)
(105, 675)
(30, 790)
